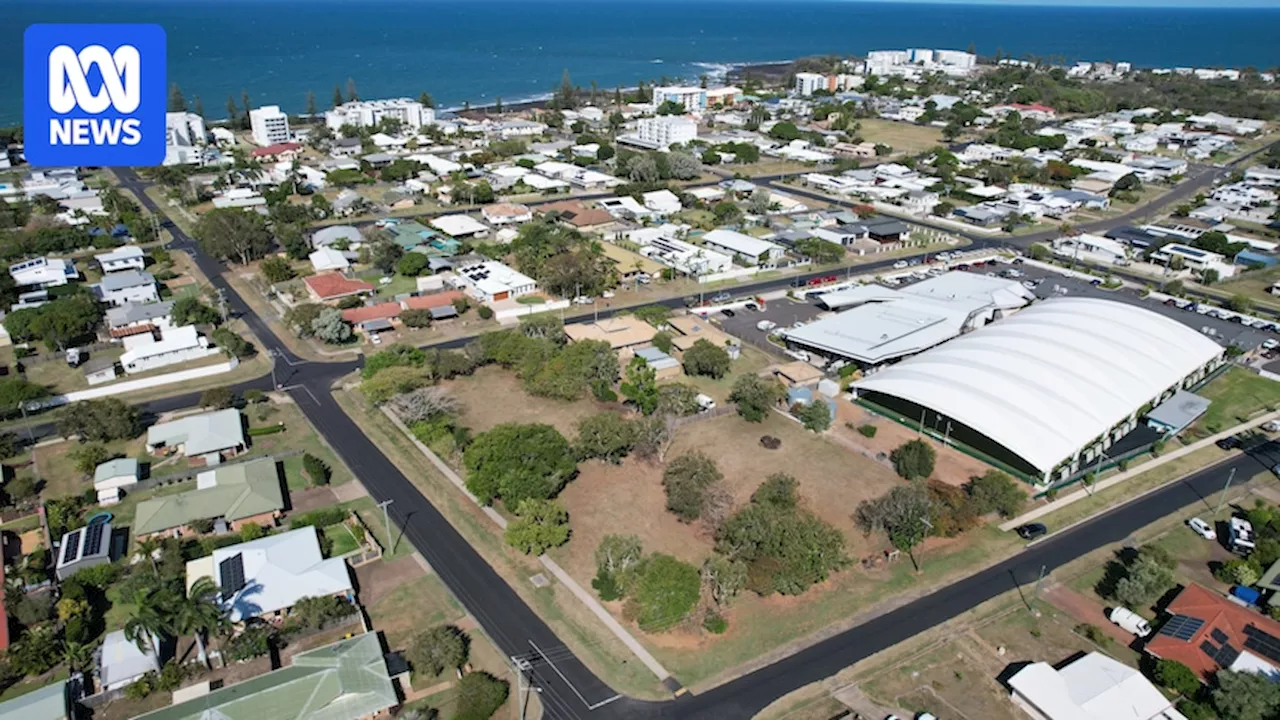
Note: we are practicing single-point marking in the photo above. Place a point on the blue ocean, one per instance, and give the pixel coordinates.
(479, 50)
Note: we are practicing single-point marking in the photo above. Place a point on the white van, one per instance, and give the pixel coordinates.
(706, 402)
(1130, 620)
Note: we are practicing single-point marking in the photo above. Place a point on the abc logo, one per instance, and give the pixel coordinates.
(94, 94)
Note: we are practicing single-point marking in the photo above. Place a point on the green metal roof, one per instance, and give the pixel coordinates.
(345, 680)
(241, 490)
(47, 703)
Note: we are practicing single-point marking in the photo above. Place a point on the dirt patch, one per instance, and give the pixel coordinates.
(953, 467)
(493, 396)
(1086, 610)
(378, 579)
(311, 499)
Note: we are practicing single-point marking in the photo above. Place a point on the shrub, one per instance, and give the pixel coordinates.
(706, 359)
(416, 318)
(542, 525)
(266, 430)
(715, 623)
(319, 518)
(254, 396)
(1177, 677)
(665, 590)
(913, 459)
(479, 695)
(437, 649)
(1094, 634)
(606, 436)
(755, 396)
(606, 586)
(218, 398)
(315, 612)
(518, 462)
(275, 269)
(867, 430)
(815, 416)
(89, 457)
(254, 641)
(316, 469)
(485, 312)
(995, 491)
(686, 481)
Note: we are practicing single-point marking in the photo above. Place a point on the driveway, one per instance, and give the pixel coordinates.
(1085, 610)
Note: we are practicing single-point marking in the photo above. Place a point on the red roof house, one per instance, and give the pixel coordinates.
(426, 302)
(1207, 632)
(332, 286)
(381, 311)
(280, 151)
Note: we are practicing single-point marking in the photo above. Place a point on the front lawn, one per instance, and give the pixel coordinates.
(1236, 396)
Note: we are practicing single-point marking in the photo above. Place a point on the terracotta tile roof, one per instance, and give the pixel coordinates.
(132, 330)
(576, 214)
(273, 150)
(426, 302)
(1221, 619)
(328, 286)
(381, 311)
(506, 210)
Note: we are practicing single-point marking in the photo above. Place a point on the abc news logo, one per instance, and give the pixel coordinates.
(94, 95)
(69, 89)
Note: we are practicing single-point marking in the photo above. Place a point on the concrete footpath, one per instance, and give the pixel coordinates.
(551, 565)
(1083, 493)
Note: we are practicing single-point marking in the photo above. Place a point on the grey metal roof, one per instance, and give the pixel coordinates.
(126, 279)
(116, 468)
(47, 703)
(1180, 410)
(130, 313)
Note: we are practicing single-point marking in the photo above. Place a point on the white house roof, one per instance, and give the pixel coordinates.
(330, 235)
(1053, 377)
(175, 339)
(111, 469)
(739, 243)
(123, 662)
(459, 225)
(204, 433)
(276, 571)
(127, 252)
(326, 258)
(1095, 687)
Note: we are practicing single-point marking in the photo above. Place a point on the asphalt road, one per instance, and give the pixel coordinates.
(568, 689)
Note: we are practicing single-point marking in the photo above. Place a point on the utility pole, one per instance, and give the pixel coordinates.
(1036, 597)
(1223, 500)
(523, 686)
(386, 520)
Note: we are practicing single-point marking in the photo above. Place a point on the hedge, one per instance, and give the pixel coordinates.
(268, 430)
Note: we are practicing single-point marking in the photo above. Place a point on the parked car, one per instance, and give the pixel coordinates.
(1270, 344)
(706, 402)
(1229, 443)
(1273, 426)
(643, 278)
(721, 297)
(752, 306)
(766, 325)
(607, 294)
(1028, 285)
(1202, 528)
(900, 265)
(1031, 531)
(73, 357)
(1129, 620)
(727, 312)
(582, 300)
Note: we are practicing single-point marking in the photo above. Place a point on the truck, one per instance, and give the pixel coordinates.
(73, 357)
(1130, 621)
(1240, 535)
(706, 402)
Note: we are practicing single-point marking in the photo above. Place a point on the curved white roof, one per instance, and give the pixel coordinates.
(1053, 377)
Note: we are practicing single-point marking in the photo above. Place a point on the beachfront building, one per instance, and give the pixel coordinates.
(807, 83)
(665, 131)
(692, 98)
(367, 113)
(269, 125)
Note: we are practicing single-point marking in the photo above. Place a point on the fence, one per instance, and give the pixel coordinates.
(715, 412)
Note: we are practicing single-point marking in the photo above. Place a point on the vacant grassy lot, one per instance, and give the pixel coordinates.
(903, 137)
(750, 361)
(493, 396)
(1237, 396)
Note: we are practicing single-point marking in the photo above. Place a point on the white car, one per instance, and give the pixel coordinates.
(607, 294)
(1272, 426)
(1202, 528)
(900, 265)
(582, 300)
(1270, 344)
(766, 325)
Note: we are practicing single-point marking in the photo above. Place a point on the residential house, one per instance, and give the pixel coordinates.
(630, 265)
(920, 202)
(577, 215)
(326, 258)
(347, 680)
(1194, 259)
(460, 226)
(327, 287)
(84, 548)
(239, 198)
(439, 303)
(661, 245)
(1092, 687)
(127, 257)
(663, 365)
(133, 319)
(247, 493)
(208, 437)
(265, 578)
(337, 233)
(99, 370)
(346, 147)
(127, 287)
(624, 333)
(1208, 632)
(491, 281)
(43, 272)
(369, 313)
(691, 329)
(47, 703)
(750, 250)
(121, 661)
(1033, 111)
(661, 202)
(113, 476)
(278, 152)
(506, 214)
(144, 352)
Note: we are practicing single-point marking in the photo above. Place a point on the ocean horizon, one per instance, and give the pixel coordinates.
(483, 50)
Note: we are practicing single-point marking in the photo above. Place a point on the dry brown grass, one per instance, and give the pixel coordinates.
(903, 137)
(493, 396)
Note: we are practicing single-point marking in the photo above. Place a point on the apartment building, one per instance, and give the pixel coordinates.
(694, 99)
(269, 125)
(666, 130)
(367, 113)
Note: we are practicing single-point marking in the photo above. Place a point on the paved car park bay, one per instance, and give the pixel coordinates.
(784, 311)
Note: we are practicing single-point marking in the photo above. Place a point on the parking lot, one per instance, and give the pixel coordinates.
(785, 312)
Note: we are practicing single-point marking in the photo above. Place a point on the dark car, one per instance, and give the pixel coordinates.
(727, 312)
(1031, 531)
(1229, 443)
(752, 306)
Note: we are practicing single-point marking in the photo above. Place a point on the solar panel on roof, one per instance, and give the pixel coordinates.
(1227, 655)
(71, 550)
(231, 574)
(1218, 636)
(1262, 643)
(1182, 627)
(93, 538)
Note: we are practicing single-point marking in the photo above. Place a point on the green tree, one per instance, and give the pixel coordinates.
(412, 264)
(1177, 677)
(913, 459)
(618, 554)
(605, 436)
(724, 577)
(995, 491)
(16, 391)
(188, 310)
(755, 396)
(384, 255)
(664, 592)
(478, 696)
(233, 234)
(1144, 581)
(152, 618)
(88, 457)
(815, 415)
(687, 481)
(518, 462)
(337, 96)
(440, 648)
(678, 399)
(99, 420)
(902, 514)
(1245, 696)
(540, 526)
(641, 386)
(201, 614)
(704, 358)
(330, 327)
(177, 103)
(276, 269)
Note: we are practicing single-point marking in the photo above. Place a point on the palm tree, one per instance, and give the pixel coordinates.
(152, 618)
(148, 548)
(77, 656)
(200, 613)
